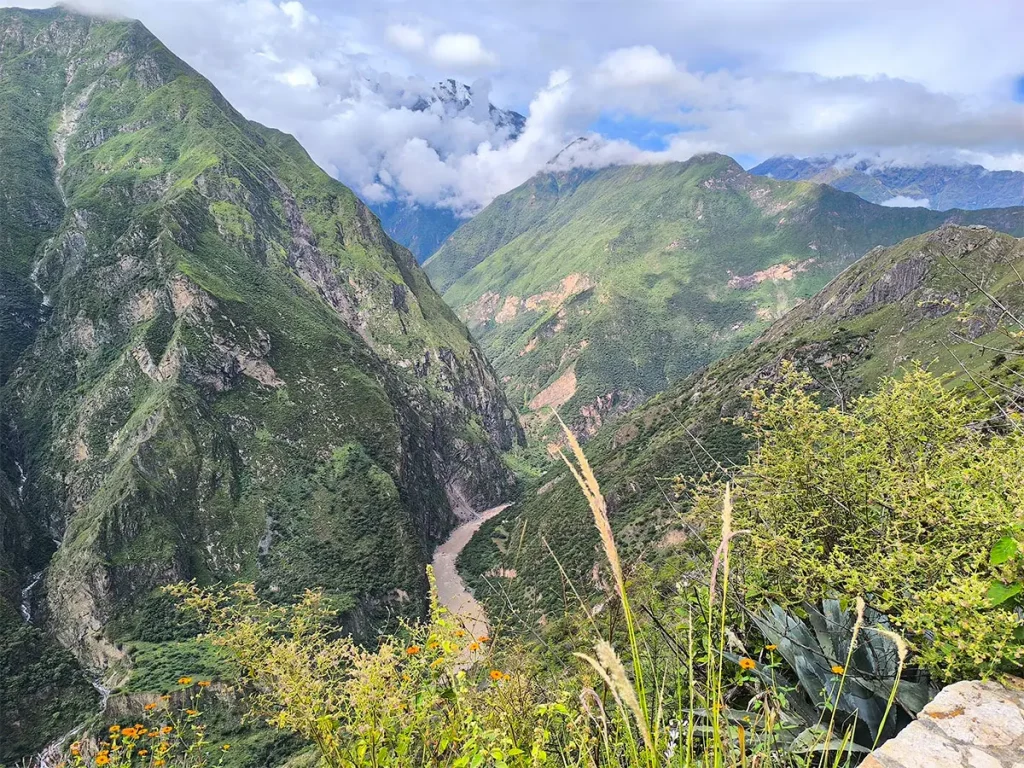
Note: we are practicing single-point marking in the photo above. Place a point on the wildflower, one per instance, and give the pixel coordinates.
(431, 646)
(166, 729)
(165, 697)
(150, 707)
(159, 761)
(184, 681)
(412, 650)
(142, 752)
(459, 633)
(497, 674)
(76, 749)
(226, 747)
(130, 733)
(115, 729)
(483, 639)
(747, 664)
(474, 646)
(771, 647)
(838, 669)
(204, 683)
(191, 712)
(102, 758)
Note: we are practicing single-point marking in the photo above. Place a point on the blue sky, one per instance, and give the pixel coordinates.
(649, 81)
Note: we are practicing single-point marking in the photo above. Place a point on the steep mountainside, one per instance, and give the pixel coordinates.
(215, 363)
(594, 289)
(919, 300)
(940, 187)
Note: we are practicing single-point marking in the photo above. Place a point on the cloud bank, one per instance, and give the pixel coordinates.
(357, 86)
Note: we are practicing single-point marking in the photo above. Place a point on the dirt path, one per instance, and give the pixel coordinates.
(451, 590)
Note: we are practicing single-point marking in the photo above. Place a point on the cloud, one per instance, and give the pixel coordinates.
(354, 84)
(406, 38)
(902, 201)
(461, 51)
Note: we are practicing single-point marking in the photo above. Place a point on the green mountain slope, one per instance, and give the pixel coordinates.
(918, 300)
(591, 290)
(215, 363)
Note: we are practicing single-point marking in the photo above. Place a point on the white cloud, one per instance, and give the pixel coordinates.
(296, 13)
(461, 51)
(299, 77)
(406, 38)
(902, 201)
(875, 77)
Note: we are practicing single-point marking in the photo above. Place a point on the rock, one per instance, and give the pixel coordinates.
(968, 725)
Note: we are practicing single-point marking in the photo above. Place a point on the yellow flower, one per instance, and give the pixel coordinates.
(204, 683)
(459, 633)
(142, 752)
(115, 729)
(746, 663)
(102, 758)
(166, 729)
(474, 646)
(497, 674)
(771, 647)
(159, 761)
(165, 697)
(226, 747)
(412, 650)
(838, 669)
(184, 681)
(484, 639)
(150, 707)
(432, 645)
(191, 712)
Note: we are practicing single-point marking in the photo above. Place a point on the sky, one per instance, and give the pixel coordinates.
(644, 80)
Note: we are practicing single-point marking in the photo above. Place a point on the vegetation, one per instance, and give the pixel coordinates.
(635, 277)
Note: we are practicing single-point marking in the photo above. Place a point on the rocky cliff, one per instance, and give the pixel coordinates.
(215, 363)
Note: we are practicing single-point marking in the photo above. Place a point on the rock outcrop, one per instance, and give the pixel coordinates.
(968, 725)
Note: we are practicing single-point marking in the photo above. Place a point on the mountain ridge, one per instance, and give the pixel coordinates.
(594, 288)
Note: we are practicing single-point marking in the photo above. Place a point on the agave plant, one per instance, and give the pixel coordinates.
(863, 692)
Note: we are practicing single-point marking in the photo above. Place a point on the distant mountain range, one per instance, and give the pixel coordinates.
(593, 289)
(940, 187)
(422, 228)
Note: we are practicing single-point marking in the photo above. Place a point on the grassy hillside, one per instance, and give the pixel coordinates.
(592, 290)
(918, 300)
(215, 363)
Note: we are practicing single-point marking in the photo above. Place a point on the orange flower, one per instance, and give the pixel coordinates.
(130, 733)
(432, 645)
(184, 681)
(159, 761)
(412, 650)
(115, 729)
(142, 752)
(102, 758)
(191, 712)
(459, 633)
(474, 646)
(150, 707)
(165, 697)
(746, 663)
(497, 674)
(204, 683)
(484, 639)
(166, 729)
(838, 669)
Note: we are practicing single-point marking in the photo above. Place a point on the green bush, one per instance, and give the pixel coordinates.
(898, 498)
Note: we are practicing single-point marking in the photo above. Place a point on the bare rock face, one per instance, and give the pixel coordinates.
(968, 725)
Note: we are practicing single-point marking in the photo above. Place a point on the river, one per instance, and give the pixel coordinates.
(452, 592)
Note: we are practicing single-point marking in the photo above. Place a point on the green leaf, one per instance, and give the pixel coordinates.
(1003, 550)
(999, 593)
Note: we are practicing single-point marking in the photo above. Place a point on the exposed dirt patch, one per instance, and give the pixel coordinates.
(558, 393)
(775, 273)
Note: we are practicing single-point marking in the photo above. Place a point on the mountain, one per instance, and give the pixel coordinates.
(940, 187)
(923, 299)
(422, 228)
(594, 289)
(215, 364)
